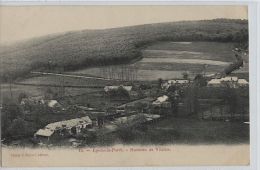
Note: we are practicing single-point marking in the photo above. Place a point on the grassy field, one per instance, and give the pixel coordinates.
(40, 88)
(218, 51)
(170, 59)
(65, 81)
(18, 89)
(81, 49)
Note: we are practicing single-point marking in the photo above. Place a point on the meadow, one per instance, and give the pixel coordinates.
(170, 59)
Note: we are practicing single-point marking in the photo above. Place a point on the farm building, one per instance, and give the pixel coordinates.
(109, 88)
(85, 108)
(40, 100)
(131, 106)
(215, 83)
(222, 112)
(136, 119)
(72, 126)
(162, 103)
(231, 81)
(33, 100)
(169, 83)
(242, 82)
(160, 100)
(53, 103)
(112, 112)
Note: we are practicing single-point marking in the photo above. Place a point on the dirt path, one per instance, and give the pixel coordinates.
(71, 75)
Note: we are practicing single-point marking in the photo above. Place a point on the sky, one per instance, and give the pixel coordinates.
(23, 22)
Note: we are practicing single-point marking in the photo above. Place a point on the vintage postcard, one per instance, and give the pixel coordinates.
(122, 85)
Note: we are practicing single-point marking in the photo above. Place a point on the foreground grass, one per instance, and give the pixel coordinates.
(189, 131)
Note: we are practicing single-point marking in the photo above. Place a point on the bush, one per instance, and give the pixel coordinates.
(19, 128)
(119, 93)
(11, 109)
(22, 96)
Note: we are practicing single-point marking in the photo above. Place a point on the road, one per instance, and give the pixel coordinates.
(71, 75)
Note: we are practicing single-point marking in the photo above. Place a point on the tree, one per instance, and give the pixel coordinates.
(172, 89)
(120, 93)
(200, 80)
(185, 75)
(191, 99)
(18, 128)
(22, 96)
(5, 122)
(160, 81)
(174, 101)
(9, 79)
(140, 107)
(11, 109)
(38, 111)
(48, 93)
(231, 99)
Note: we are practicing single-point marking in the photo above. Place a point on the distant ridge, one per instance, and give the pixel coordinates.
(78, 49)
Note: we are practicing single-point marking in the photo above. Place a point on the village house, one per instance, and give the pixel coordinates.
(70, 127)
(137, 119)
(53, 103)
(169, 83)
(112, 112)
(33, 100)
(162, 101)
(242, 82)
(131, 107)
(109, 88)
(215, 83)
(231, 81)
(85, 108)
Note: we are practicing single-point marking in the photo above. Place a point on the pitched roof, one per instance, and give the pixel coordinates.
(132, 103)
(229, 79)
(69, 123)
(107, 88)
(161, 99)
(178, 81)
(44, 132)
(52, 103)
(242, 81)
(50, 128)
(139, 118)
(215, 81)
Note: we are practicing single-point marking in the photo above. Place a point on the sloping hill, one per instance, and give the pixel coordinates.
(74, 50)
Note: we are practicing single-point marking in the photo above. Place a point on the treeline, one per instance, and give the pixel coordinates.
(120, 72)
(81, 49)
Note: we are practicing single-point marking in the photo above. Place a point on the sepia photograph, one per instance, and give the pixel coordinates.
(143, 85)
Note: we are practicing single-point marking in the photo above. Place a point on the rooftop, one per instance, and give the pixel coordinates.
(215, 81)
(44, 132)
(178, 81)
(161, 99)
(242, 81)
(107, 88)
(229, 79)
(69, 123)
